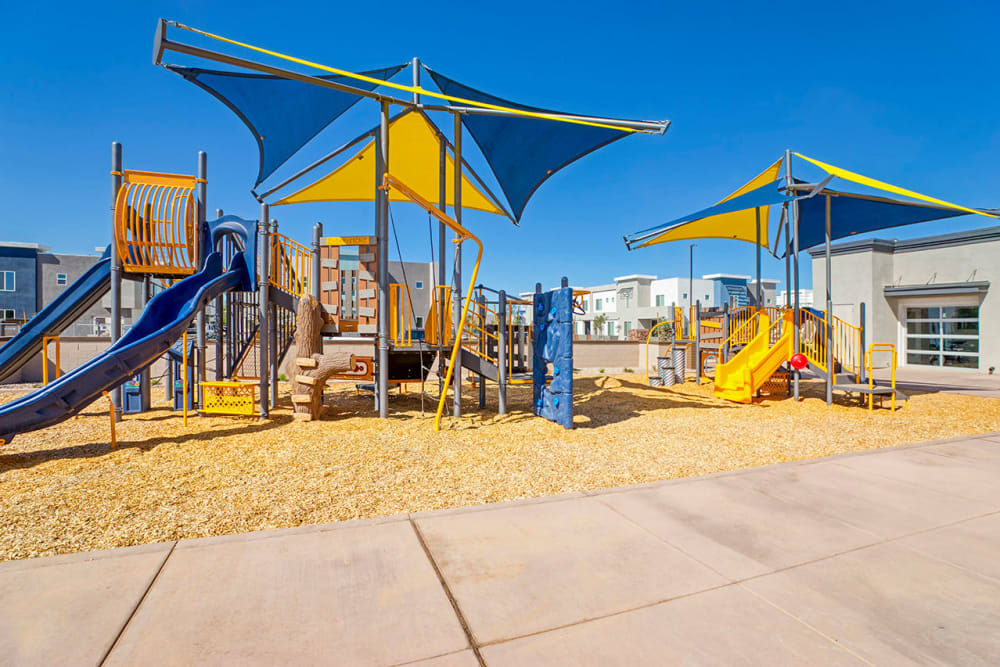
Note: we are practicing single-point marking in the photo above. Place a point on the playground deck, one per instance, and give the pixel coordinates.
(63, 490)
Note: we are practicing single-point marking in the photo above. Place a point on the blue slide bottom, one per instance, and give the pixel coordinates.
(52, 320)
(165, 319)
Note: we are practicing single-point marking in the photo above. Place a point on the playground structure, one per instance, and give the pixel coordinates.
(790, 338)
(256, 278)
(426, 169)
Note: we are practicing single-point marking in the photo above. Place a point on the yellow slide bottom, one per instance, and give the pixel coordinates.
(742, 376)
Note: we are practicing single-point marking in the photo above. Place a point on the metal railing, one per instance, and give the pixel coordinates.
(400, 315)
(869, 368)
(437, 324)
(846, 342)
(290, 265)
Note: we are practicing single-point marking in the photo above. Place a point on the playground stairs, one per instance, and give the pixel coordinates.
(744, 374)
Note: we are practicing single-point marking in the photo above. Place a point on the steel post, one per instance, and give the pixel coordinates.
(502, 352)
(382, 232)
(219, 320)
(793, 209)
(145, 382)
(263, 309)
(483, 347)
(274, 354)
(863, 370)
(116, 266)
(316, 263)
(759, 294)
(201, 193)
(829, 314)
(442, 276)
(696, 327)
(788, 259)
(457, 275)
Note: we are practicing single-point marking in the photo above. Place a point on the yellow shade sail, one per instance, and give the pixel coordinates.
(879, 185)
(414, 158)
(738, 225)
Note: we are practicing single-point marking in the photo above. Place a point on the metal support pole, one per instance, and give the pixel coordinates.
(758, 290)
(696, 326)
(502, 351)
(794, 215)
(382, 232)
(116, 267)
(219, 320)
(457, 275)
(316, 263)
(829, 314)
(145, 382)
(169, 393)
(788, 259)
(263, 309)
(483, 347)
(274, 354)
(415, 67)
(690, 286)
(724, 350)
(862, 371)
(202, 195)
(442, 277)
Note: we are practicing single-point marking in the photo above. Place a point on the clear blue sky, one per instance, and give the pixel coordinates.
(901, 91)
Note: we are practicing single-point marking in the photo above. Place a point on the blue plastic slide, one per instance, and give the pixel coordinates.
(165, 319)
(55, 317)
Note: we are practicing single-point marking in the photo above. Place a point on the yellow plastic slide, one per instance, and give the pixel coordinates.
(739, 378)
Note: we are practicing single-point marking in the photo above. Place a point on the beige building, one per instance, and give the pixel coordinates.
(932, 297)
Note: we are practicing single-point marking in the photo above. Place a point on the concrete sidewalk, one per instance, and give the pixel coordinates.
(884, 557)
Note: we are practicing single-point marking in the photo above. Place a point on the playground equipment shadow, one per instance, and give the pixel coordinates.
(63, 489)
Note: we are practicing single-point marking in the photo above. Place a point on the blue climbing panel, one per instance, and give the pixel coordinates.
(552, 346)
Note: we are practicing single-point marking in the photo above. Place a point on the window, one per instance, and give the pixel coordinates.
(60, 279)
(628, 327)
(419, 323)
(6, 281)
(685, 295)
(660, 299)
(734, 301)
(706, 298)
(8, 313)
(943, 336)
(597, 304)
(420, 284)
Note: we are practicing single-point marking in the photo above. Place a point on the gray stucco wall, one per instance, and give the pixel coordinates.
(23, 299)
(861, 271)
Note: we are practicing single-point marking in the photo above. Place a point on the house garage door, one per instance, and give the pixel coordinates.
(942, 336)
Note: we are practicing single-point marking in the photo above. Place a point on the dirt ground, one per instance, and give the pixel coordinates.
(63, 489)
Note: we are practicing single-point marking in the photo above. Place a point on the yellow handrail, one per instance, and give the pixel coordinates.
(431, 329)
(290, 265)
(461, 235)
(869, 355)
(744, 333)
(400, 329)
(45, 358)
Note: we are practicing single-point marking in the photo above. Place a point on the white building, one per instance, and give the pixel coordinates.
(805, 298)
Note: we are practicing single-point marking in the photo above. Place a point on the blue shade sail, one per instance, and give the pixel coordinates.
(282, 114)
(766, 195)
(523, 152)
(852, 214)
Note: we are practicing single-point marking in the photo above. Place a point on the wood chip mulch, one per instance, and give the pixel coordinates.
(63, 489)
